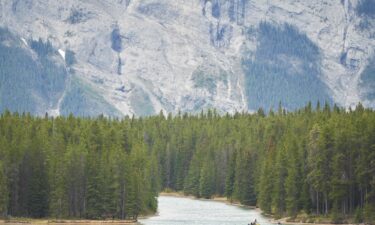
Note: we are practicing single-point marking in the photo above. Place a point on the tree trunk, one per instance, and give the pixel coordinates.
(123, 202)
(326, 203)
(317, 203)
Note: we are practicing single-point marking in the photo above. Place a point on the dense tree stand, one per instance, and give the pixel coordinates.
(317, 161)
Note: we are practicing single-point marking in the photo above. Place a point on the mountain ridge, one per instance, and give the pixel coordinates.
(142, 56)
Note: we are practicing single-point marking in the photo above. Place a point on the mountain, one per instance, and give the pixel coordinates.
(123, 57)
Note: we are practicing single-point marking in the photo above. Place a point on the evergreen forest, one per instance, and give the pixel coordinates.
(318, 160)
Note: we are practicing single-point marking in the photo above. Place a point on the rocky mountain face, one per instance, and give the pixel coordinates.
(123, 57)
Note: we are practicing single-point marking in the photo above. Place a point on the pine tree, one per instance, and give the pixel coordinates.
(206, 181)
(230, 178)
(3, 191)
(292, 181)
(191, 186)
(318, 172)
(279, 192)
(338, 185)
(37, 198)
(95, 186)
(266, 186)
(58, 198)
(244, 189)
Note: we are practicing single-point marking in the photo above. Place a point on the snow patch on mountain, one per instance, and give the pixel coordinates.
(62, 53)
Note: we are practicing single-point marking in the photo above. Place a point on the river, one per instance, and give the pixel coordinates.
(183, 211)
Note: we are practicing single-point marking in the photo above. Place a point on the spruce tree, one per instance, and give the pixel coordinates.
(3, 191)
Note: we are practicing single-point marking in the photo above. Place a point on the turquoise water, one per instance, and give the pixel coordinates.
(183, 211)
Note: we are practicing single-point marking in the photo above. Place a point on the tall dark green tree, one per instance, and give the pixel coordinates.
(3, 191)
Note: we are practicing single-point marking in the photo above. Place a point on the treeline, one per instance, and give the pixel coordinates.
(75, 168)
(321, 162)
(316, 160)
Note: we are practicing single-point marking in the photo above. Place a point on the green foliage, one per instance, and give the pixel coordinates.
(231, 176)
(206, 181)
(279, 192)
(265, 187)
(73, 168)
(293, 179)
(244, 189)
(192, 181)
(358, 216)
(320, 162)
(3, 191)
(369, 215)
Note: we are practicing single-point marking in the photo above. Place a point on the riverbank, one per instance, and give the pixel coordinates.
(67, 221)
(270, 220)
(302, 219)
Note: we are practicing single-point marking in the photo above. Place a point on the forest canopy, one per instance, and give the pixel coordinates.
(316, 160)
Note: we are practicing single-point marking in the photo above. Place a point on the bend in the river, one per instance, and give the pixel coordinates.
(183, 211)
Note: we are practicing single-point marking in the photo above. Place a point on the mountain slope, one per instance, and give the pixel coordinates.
(143, 56)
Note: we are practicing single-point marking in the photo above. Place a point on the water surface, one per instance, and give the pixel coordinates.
(182, 211)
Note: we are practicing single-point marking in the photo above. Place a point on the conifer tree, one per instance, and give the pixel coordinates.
(3, 191)
(206, 181)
